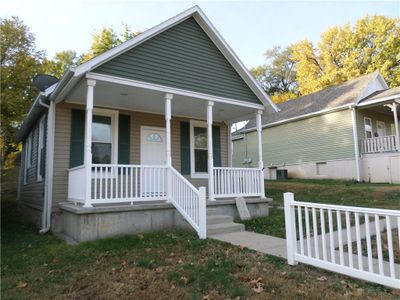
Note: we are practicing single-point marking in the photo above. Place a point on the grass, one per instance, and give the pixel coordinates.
(160, 265)
(322, 191)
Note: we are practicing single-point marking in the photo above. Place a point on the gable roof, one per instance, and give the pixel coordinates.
(203, 22)
(338, 96)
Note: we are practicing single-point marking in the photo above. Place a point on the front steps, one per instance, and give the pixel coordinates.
(219, 224)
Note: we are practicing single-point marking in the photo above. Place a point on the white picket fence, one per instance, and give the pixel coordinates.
(235, 182)
(316, 243)
(379, 144)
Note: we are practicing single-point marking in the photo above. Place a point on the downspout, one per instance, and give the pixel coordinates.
(355, 138)
(48, 183)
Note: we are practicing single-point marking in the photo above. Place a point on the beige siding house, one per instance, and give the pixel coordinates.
(349, 131)
(138, 138)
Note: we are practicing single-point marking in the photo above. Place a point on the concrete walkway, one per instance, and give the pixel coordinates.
(277, 246)
(259, 242)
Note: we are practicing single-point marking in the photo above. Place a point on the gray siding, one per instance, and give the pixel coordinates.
(138, 119)
(181, 57)
(321, 138)
(31, 193)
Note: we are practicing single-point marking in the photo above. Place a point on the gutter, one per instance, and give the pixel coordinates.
(48, 183)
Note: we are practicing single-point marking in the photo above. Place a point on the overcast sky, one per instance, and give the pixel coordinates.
(250, 27)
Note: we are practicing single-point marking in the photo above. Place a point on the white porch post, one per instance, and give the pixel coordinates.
(168, 98)
(396, 124)
(355, 139)
(210, 105)
(230, 146)
(88, 142)
(260, 152)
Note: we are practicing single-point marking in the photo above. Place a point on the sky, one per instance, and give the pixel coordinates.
(249, 27)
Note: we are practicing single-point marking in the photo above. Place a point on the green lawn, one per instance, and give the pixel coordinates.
(162, 265)
(322, 191)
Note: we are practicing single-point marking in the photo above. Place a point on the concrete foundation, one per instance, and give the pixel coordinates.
(375, 168)
(83, 224)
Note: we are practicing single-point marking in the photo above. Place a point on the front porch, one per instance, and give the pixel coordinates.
(184, 169)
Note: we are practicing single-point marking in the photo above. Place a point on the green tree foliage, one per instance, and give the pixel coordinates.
(106, 39)
(61, 62)
(20, 62)
(278, 75)
(346, 52)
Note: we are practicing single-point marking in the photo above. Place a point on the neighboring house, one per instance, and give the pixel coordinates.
(123, 142)
(348, 131)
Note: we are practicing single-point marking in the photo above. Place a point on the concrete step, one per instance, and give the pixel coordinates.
(212, 212)
(224, 228)
(218, 219)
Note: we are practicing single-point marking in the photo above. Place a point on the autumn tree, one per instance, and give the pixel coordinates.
(278, 75)
(346, 52)
(20, 62)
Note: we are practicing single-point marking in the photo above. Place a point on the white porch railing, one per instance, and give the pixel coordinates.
(235, 182)
(317, 245)
(131, 183)
(379, 144)
(189, 201)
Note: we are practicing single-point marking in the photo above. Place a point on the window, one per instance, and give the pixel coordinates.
(368, 127)
(199, 150)
(154, 137)
(41, 151)
(28, 157)
(101, 140)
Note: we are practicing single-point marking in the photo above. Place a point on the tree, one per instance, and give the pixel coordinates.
(106, 39)
(346, 52)
(278, 75)
(20, 62)
(61, 62)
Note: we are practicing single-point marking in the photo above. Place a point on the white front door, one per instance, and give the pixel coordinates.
(380, 128)
(152, 152)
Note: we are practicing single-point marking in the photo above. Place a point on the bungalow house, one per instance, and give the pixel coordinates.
(138, 138)
(348, 131)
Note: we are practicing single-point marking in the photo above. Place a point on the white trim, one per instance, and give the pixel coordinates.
(171, 90)
(384, 127)
(379, 100)
(193, 174)
(209, 29)
(377, 76)
(114, 115)
(40, 147)
(355, 141)
(365, 130)
(28, 156)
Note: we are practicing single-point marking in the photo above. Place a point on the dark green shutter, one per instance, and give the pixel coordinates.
(123, 139)
(185, 148)
(77, 138)
(216, 136)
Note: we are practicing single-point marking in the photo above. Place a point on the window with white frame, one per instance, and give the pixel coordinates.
(368, 128)
(199, 150)
(41, 150)
(28, 157)
(104, 136)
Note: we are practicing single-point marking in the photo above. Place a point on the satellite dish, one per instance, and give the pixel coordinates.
(43, 81)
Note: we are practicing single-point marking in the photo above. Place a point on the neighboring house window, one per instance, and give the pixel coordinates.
(104, 137)
(41, 151)
(28, 157)
(368, 127)
(199, 150)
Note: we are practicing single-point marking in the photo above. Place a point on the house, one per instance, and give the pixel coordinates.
(348, 131)
(138, 138)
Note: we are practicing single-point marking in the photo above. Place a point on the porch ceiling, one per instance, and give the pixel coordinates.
(113, 95)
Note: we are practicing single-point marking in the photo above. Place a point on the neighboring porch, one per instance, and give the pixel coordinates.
(184, 169)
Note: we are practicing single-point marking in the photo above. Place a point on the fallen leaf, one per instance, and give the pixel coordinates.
(206, 297)
(180, 261)
(184, 280)
(21, 285)
(141, 236)
(254, 281)
(283, 273)
(259, 288)
(322, 278)
(159, 270)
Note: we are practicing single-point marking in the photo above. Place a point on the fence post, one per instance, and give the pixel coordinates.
(290, 226)
(202, 213)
